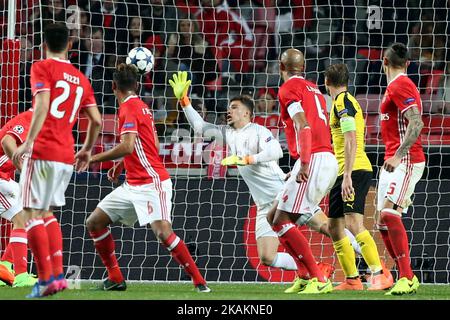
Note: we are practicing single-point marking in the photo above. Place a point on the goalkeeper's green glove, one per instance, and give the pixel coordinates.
(235, 160)
(180, 85)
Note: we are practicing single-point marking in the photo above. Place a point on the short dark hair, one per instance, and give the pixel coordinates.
(397, 55)
(56, 37)
(246, 100)
(337, 75)
(126, 76)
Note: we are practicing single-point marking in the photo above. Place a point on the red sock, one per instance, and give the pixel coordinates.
(8, 254)
(38, 243)
(297, 245)
(302, 271)
(387, 242)
(399, 241)
(181, 254)
(55, 244)
(104, 243)
(19, 246)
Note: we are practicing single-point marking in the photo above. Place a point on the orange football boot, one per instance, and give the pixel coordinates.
(350, 284)
(6, 275)
(327, 269)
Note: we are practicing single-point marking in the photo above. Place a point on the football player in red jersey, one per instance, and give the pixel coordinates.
(401, 124)
(146, 196)
(13, 134)
(60, 91)
(303, 111)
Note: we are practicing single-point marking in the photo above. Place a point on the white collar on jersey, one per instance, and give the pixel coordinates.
(244, 127)
(129, 97)
(396, 77)
(61, 60)
(295, 77)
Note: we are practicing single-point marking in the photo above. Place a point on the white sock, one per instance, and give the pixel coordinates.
(284, 261)
(353, 241)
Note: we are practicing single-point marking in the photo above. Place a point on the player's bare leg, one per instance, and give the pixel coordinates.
(97, 226)
(16, 254)
(267, 244)
(381, 277)
(297, 245)
(39, 245)
(177, 248)
(267, 253)
(318, 223)
(396, 240)
(302, 277)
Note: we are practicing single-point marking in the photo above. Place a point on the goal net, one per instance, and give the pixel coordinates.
(230, 48)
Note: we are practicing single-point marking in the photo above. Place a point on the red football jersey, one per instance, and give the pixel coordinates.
(300, 94)
(144, 165)
(17, 127)
(401, 94)
(70, 91)
(272, 122)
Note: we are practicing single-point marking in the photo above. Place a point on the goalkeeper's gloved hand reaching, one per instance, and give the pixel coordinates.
(235, 160)
(180, 85)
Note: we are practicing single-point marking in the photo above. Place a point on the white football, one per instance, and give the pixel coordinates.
(142, 58)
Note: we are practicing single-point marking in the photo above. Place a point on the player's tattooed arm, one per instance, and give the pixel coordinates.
(415, 125)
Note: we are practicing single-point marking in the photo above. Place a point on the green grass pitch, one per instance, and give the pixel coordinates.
(221, 291)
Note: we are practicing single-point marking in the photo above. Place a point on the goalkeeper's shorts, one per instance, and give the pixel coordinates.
(398, 186)
(145, 203)
(10, 203)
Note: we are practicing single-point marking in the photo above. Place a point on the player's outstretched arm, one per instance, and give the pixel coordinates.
(41, 106)
(83, 157)
(124, 148)
(115, 172)
(415, 125)
(269, 146)
(180, 86)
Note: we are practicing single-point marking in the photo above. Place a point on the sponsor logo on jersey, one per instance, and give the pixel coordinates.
(39, 85)
(384, 116)
(18, 129)
(269, 138)
(409, 101)
(128, 125)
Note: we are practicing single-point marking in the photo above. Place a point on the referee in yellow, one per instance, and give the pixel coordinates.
(348, 195)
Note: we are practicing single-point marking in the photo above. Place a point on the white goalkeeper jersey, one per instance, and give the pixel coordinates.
(264, 179)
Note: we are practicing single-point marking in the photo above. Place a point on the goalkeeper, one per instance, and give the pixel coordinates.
(255, 151)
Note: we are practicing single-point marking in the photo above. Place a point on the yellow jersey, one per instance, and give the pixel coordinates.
(345, 105)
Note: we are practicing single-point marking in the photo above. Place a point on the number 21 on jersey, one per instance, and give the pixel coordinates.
(59, 114)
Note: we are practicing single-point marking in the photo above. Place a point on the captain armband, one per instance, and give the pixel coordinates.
(348, 124)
